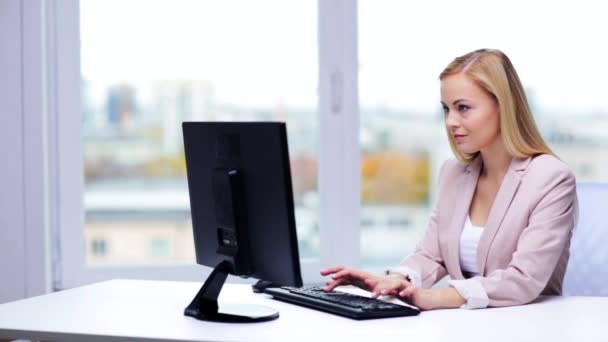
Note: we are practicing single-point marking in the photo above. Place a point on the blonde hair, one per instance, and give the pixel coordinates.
(492, 70)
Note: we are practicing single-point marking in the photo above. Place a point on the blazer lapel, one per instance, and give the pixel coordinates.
(499, 208)
(467, 185)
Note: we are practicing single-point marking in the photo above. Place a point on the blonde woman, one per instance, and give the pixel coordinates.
(506, 207)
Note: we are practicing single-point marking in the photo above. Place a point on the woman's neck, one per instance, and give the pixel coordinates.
(495, 162)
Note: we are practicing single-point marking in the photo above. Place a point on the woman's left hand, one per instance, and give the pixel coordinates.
(425, 299)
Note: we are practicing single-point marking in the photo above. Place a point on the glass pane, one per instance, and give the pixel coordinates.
(403, 48)
(149, 65)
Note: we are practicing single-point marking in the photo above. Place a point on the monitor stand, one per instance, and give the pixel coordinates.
(204, 305)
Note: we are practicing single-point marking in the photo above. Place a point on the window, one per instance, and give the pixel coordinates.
(188, 61)
(123, 89)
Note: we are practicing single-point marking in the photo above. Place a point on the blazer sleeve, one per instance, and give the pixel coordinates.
(427, 261)
(539, 247)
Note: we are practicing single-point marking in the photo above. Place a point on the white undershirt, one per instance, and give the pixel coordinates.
(469, 240)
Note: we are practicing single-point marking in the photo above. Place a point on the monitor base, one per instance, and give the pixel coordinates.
(236, 313)
(204, 306)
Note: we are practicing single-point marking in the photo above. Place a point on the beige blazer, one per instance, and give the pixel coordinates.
(523, 250)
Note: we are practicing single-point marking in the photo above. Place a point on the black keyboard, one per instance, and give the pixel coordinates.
(340, 303)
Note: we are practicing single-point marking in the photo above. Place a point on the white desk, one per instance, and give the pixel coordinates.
(122, 310)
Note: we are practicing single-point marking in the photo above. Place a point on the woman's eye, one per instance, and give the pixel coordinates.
(445, 110)
(463, 108)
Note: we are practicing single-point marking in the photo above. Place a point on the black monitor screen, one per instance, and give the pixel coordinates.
(241, 199)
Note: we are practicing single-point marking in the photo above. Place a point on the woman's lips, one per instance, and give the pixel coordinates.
(459, 137)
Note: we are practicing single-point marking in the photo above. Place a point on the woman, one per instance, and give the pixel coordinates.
(506, 209)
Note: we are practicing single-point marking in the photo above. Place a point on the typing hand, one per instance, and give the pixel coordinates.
(342, 275)
(387, 285)
(396, 285)
(390, 285)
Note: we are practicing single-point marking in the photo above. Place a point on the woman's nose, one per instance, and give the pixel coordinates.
(451, 120)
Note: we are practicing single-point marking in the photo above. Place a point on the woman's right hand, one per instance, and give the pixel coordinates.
(390, 284)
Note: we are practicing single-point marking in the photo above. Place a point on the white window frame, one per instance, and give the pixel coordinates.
(12, 201)
(25, 265)
(339, 159)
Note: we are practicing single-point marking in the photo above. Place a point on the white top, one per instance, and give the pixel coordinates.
(127, 310)
(469, 240)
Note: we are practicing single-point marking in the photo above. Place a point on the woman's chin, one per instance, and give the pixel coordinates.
(467, 150)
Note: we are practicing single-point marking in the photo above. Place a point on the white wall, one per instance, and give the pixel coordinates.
(24, 261)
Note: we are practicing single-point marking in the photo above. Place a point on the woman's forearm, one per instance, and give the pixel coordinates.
(446, 298)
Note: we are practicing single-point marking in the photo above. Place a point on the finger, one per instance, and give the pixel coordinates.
(385, 291)
(331, 281)
(388, 292)
(331, 270)
(331, 285)
(407, 292)
(404, 292)
(352, 274)
(341, 274)
(378, 290)
(400, 286)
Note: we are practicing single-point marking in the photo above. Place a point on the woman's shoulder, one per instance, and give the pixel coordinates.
(546, 172)
(549, 166)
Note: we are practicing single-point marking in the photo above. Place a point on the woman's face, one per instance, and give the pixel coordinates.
(471, 114)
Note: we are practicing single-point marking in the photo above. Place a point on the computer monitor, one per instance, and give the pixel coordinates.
(241, 203)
